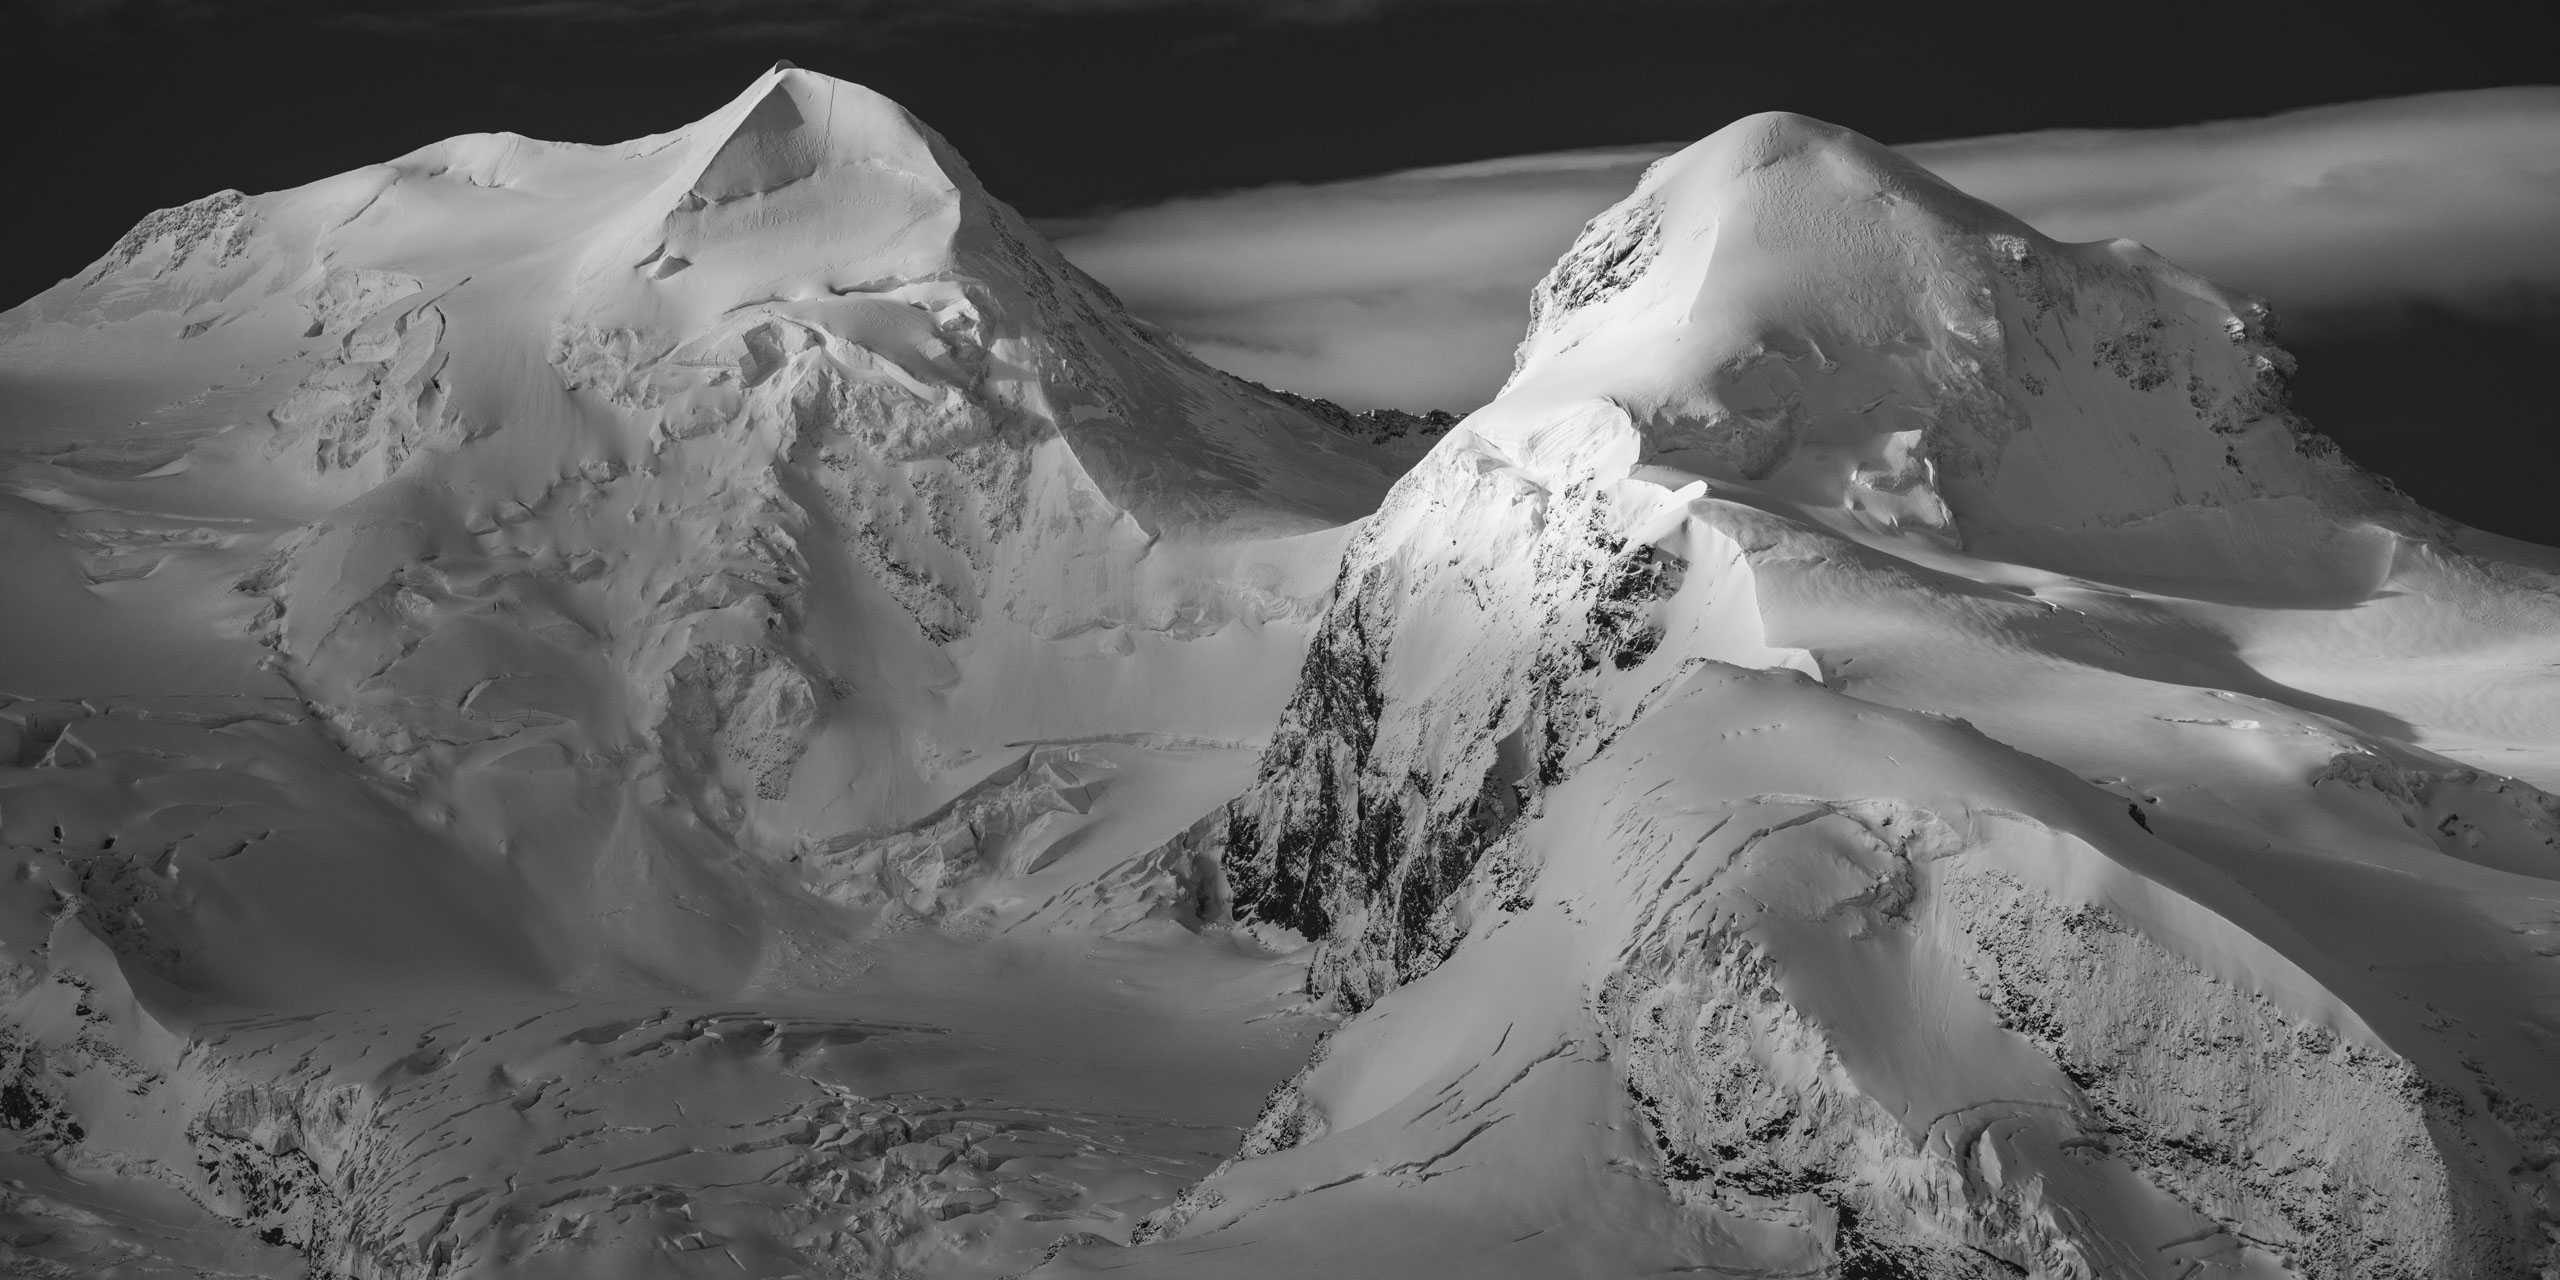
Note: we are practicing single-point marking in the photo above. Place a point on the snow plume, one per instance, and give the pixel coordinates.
(1410, 289)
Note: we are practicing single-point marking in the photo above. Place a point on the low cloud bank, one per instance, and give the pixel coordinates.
(1410, 289)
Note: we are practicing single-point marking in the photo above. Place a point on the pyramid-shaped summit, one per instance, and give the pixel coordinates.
(790, 125)
(800, 175)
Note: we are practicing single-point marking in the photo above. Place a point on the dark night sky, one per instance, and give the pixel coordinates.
(118, 107)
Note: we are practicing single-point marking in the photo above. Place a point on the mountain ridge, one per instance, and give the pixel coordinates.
(710, 705)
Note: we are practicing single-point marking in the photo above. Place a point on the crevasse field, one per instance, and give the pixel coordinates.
(710, 707)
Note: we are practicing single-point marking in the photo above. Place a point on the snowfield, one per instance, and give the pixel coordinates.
(710, 707)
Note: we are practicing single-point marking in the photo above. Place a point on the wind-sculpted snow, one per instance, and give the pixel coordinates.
(709, 706)
(380, 401)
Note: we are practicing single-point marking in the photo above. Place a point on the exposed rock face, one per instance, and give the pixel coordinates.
(2340, 1155)
(1512, 605)
(1606, 258)
(215, 224)
(1397, 428)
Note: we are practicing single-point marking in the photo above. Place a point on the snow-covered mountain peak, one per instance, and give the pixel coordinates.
(1795, 309)
(796, 124)
(1792, 189)
(788, 461)
(1870, 657)
(801, 187)
(810, 171)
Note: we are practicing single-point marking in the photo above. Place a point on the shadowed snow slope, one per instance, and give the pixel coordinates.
(708, 706)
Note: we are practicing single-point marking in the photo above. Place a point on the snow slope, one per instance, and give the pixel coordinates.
(708, 706)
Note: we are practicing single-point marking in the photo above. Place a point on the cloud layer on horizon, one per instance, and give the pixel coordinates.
(1411, 288)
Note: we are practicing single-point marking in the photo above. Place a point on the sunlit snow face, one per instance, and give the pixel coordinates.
(1411, 289)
